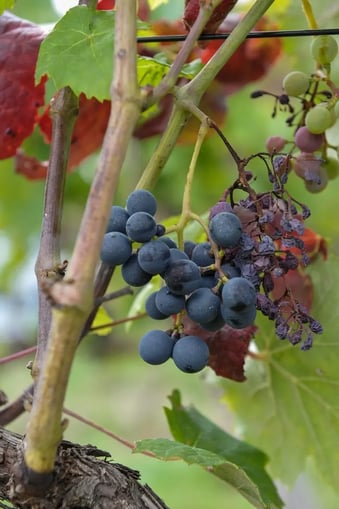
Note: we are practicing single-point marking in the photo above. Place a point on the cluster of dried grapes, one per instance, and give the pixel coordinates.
(312, 104)
(271, 246)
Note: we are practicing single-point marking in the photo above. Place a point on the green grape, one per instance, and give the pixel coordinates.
(318, 119)
(296, 83)
(324, 49)
(336, 109)
(331, 166)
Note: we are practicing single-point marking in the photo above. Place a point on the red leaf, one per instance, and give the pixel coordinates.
(314, 244)
(89, 128)
(29, 166)
(250, 62)
(299, 284)
(20, 98)
(228, 348)
(143, 10)
(219, 14)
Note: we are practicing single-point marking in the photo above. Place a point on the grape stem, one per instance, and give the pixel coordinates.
(118, 322)
(96, 426)
(186, 212)
(307, 8)
(17, 355)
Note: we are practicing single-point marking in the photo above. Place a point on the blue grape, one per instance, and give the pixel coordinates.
(225, 229)
(238, 319)
(141, 200)
(202, 255)
(177, 254)
(151, 308)
(215, 324)
(189, 245)
(182, 277)
(229, 270)
(169, 303)
(238, 294)
(190, 354)
(208, 281)
(161, 230)
(118, 219)
(141, 227)
(170, 243)
(155, 347)
(203, 305)
(238, 307)
(133, 274)
(116, 248)
(154, 257)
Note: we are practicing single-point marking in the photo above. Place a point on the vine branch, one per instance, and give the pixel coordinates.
(73, 296)
(64, 109)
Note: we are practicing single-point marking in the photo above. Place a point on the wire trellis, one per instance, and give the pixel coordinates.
(251, 35)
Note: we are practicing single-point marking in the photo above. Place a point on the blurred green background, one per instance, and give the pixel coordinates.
(109, 383)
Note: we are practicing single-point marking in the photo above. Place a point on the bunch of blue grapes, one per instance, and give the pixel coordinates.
(196, 282)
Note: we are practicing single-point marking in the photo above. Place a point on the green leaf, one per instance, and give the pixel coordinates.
(152, 70)
(189, 426)
(289, 404)
(156, 3)
(78, 52)
(6, 4)
(101, 318)
(165, 449)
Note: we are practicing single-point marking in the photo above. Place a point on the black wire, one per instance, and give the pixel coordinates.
(251, 35)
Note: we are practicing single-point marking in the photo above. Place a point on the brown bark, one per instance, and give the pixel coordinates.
(83, 478)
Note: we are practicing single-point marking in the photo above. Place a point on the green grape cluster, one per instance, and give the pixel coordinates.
(312, 100)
